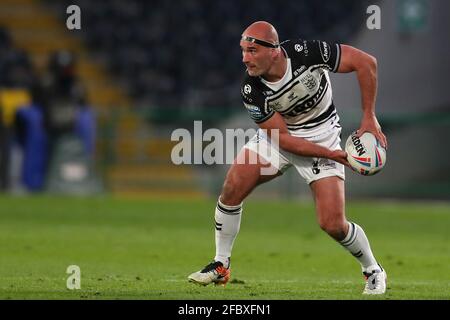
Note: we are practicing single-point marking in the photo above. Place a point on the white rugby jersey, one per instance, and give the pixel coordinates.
(304, 96)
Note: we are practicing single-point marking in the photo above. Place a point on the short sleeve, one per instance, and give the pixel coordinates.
(319, 53)
(255, 104)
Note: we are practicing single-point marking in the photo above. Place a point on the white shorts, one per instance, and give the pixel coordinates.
(311, 169)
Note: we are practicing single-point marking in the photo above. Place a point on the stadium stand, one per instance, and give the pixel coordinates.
(184, 55)
(169, 62)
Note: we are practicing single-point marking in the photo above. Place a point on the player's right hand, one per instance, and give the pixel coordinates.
(340, 156)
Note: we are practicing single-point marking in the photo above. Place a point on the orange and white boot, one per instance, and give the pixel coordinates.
(214, 272)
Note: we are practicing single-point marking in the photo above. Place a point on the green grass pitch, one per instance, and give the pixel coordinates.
(145, 249)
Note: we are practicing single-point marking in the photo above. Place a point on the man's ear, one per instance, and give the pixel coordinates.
(275, 53)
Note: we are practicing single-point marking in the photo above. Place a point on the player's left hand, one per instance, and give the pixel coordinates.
(370, 124)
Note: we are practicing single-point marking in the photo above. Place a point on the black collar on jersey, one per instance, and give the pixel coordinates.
(260, 42)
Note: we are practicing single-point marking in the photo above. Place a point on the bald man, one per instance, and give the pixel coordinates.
(287, 90)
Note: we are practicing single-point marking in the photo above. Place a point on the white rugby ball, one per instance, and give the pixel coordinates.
(365, 154)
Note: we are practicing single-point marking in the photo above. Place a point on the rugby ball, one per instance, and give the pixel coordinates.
(365, 154)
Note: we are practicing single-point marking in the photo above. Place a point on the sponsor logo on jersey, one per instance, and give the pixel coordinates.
(325, 51)
(309, 103)
(305, 48)
(275, 105)
(299, 71)
(308, 81)
(254, 111)
(247, 89)
(298, 47)
(292, 97)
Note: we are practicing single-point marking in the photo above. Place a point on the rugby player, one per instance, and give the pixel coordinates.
(287, 88)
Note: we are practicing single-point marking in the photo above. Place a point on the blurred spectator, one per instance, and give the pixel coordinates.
(35, 112)
(16, 78)
(15, 67)
(3, 154)
(62, 98)
(60, 94)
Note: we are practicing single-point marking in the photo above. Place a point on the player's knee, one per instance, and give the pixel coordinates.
(334, 227)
